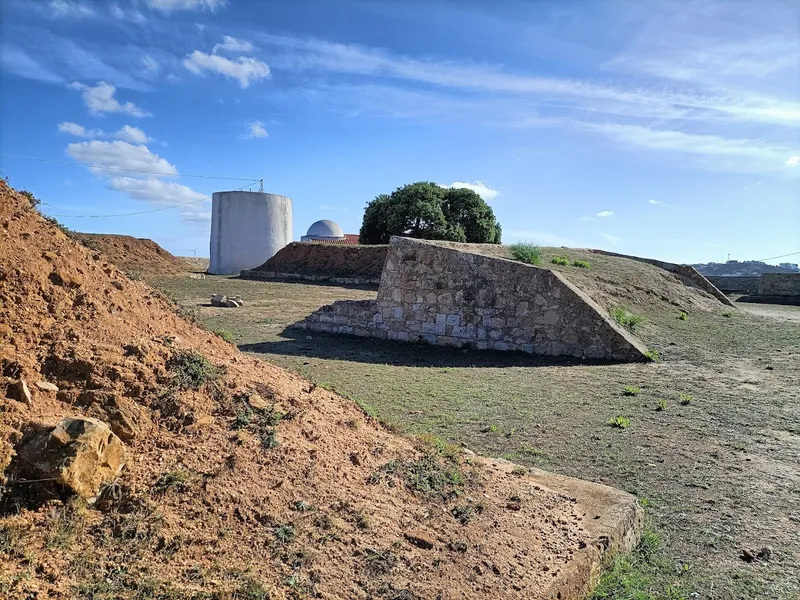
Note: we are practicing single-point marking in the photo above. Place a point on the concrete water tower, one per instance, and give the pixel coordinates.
(247, 228)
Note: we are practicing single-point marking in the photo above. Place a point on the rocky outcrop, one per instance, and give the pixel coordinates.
(80, 453)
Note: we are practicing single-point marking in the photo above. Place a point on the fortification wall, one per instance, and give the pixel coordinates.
(687, 273)
(735, 284)
(779, 284)
(447, 297)
(312, 261)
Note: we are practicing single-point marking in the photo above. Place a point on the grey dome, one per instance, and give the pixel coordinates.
(325, 228)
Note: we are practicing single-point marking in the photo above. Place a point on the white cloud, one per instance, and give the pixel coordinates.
(244, 69)
(168, 6)
(61, 9)
(587, 218)
(605, 213)
(155, 190)
(120, 155)
(151, 65)
(611, 238)
(231, 44)
(79, 130)
(132, 15)
(256, 130)
(100, 99)
(21, 63)
(480, 188)
(131, 134)
(793, 161)
(656, 202)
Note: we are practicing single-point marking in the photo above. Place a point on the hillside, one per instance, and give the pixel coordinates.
(135, 256)
(242, 480)
(734, 268)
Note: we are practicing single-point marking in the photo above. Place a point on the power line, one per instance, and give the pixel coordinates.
(143, 212)
(66, 162)
(781, 256)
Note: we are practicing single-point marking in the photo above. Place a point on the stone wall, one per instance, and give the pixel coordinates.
(731, 284)
(448, 297)
(779, 284)
(687, 273)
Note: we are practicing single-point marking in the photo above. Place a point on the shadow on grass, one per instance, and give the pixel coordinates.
(350, 286)
(298, 342)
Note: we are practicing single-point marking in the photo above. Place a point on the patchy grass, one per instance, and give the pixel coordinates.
(178, 481)
(683, 316)
(685, 399)
(653, 355)
(191, 370)
(284, 534)
(66, 524)
(560, 260)
(619, 422)
(631, 390)
(226, 335)
(661, 405)
(526, 252)
(626, 319)
(582, 264)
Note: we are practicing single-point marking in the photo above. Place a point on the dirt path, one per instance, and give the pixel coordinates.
(717, 475)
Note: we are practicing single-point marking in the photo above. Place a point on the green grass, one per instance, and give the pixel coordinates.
(560, 260)
(683, 316)
(626, 319)
(583, 264)
(685, 399)
(662, 404)
(619, 422)
(226, 335)
(653, 355)
(178, 481)
(631, 390)
(526, 252)
(284, 534)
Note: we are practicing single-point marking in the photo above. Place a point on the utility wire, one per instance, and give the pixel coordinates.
(66, 162)
(774, 257)
(143, 212)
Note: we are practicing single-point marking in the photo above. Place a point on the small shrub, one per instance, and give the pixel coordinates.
(619, 422)
(225, 335)
(35, 202)
(662, 405)
(583, 264)
(526, 252)
(727, 314)
(379, 562)
(630, 390)
(67, 524)
(133, 275)
(685, 399)
(683, 316)
(53, 221)
(191, 370)
(269, 439)
(172, 480)
(560, 260)
(463, 513)
(626, 319)
(653, 355)
(284, 533)
(302, 506)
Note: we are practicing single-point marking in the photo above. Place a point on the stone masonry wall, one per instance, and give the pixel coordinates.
(448, 297)
(733, 284)
(779, 284)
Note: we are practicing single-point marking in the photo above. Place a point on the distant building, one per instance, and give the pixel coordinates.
(329, 232)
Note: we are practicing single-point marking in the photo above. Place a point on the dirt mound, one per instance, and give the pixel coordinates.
(243, 480)
(308, 258)
(136, 256)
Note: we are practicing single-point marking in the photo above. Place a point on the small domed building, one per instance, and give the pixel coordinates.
(328, 232)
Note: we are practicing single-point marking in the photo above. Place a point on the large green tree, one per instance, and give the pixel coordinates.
(428, 211)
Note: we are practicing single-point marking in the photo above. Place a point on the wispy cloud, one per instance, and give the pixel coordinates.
(231, 44)
(126, 133)
(61, 9)
(604, 214)
(611, 238)
(20, 63)
(244, 69)
(79, 130)
(120, 155)
(656, 202)
(793, 161)
(168, 6)
(256, 129)
(100, 99)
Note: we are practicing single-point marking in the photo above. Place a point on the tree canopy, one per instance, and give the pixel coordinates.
(428, 211)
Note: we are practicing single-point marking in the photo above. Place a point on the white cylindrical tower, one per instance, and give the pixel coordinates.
(247, 228)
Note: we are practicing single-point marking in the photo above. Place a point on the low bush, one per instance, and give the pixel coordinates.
(626, 319)
(619, 422)
(685, 399)
(560, 260)
(526, 252)
(630, 390)
(583, 264)
(191, 370)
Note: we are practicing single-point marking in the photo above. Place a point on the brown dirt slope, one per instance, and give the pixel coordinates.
(303, 496)
(308, 258)
(613, 281)
(134, 255)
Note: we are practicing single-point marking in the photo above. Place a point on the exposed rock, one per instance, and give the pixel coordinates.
(47, 386)
(218, 300)
(419, 539)
(231, 303)
(66, 279)
(79, 453)
(127, 419)
(257, 402)
(202, 422)
(18, 390)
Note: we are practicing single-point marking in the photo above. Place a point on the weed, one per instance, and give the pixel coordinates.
(379, 562)
(619, 422)
(352, 424)
(462, 513)
(560, 260)
(225, 335)
(626, 319)
(269, 439)
(449, 451)
(191, 370)
(302, 506)
(133, 275)
(630, 390)
(53, 221)
(494, 428)
(583, 264)
(727, 314)
(653, 355)
(284, 533)
(172, 480)
(31, 198)
(527, 252)
(662, 404)
(685, 399)
(683, 316)
(528, 450)
(519, 471)
(67, 523)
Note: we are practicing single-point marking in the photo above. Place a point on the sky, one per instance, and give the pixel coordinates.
(662, 129)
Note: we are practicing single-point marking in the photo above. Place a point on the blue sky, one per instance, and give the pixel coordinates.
(663, 129)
